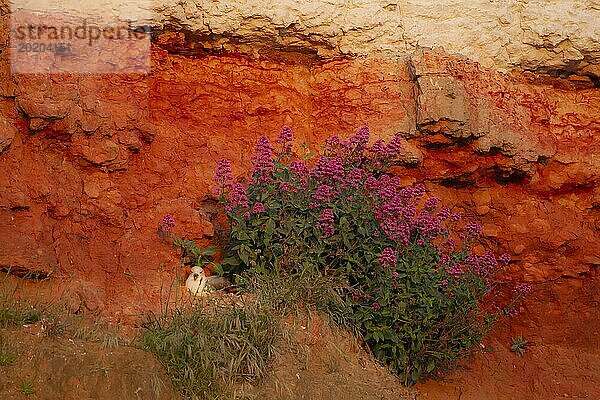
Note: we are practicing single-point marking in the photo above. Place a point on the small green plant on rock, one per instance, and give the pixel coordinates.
(518, 345)
(27, 388)
(191, 254)
(6, 357)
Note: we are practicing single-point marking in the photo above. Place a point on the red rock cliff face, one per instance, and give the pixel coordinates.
(90, 164)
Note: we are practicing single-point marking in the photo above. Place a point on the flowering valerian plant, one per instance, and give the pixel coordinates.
(167, 223)
(415, 286)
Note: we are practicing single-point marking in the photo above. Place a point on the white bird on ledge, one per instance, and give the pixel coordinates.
(199, 284)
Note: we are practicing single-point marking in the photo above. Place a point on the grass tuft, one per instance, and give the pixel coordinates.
(98, 331)
(14, 311)
(209, 347)
(294, 294)
(6, 356)
(27, 388)
(213, 344)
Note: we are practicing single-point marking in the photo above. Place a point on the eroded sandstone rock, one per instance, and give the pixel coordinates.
(558, 36)
(442, 106)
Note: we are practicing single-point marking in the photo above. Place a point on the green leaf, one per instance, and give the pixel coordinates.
(232, 261)
(241, 235)
(200, 262)
(244, 257)
(210, 251)
(431, 365)
(270, 228)
(218, 268)
(176, 241)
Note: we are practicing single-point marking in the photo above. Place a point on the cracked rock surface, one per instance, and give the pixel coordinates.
(538, 35)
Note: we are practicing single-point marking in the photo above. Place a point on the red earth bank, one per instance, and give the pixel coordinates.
(90, 164)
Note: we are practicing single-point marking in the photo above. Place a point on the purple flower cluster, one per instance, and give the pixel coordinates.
(444, 259)
(455, 271)
(286, 187)
(301, 173)
(504, 258)
(326, 222)
(224, 175)
(386, 152)
(371, 183)
(473, 230)
(413, 192)
(299, 168)
(285, 139)
(328, 168)
(431, 203)
(444, 213)
(396, 230)
(379, 148)
(397, 210)
(482, 266)
(455, 217)
(394, 147)
(427, 225)
(387, 187)
(353, 178)
(258, 208)
(263, 145)
(388, 258)
(167, 223)
(362, 137)
(489, 259)
(324, 194)
(285, 135)
(263, 160)
(237, 198)
(523, 289)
